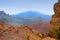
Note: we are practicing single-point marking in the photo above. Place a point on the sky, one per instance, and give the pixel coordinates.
(13, 7)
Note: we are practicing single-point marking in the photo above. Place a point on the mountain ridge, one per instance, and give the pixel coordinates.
(32, 15)
(31, 18)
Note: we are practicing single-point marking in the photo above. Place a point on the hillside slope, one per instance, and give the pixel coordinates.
(8, 32)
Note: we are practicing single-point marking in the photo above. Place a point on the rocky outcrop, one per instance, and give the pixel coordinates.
(56, 17)
(58, 0)
(8, 32)
(55, 20)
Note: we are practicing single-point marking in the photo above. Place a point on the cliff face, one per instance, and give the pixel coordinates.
(56, 17)
(55, 20)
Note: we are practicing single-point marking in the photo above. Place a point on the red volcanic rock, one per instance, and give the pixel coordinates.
(41, 27)
(1, 23)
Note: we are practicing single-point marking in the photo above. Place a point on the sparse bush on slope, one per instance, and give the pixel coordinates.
(57, 31)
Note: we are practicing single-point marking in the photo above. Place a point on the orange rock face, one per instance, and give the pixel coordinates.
(55, 19)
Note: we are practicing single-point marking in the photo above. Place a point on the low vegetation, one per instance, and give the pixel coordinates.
(57, 31)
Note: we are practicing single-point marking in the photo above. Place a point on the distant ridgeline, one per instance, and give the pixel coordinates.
(26, 18)
(8, 19)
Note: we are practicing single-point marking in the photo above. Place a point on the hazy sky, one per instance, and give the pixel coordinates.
(18, 6)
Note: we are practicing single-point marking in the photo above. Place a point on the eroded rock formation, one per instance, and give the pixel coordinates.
(56, 17)
(55, 20)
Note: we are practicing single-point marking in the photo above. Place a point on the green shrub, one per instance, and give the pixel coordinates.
(27, 36)
(57, 31)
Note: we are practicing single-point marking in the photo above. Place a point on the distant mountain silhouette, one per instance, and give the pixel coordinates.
(33, 16)
(8, 19)
(26, 18)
